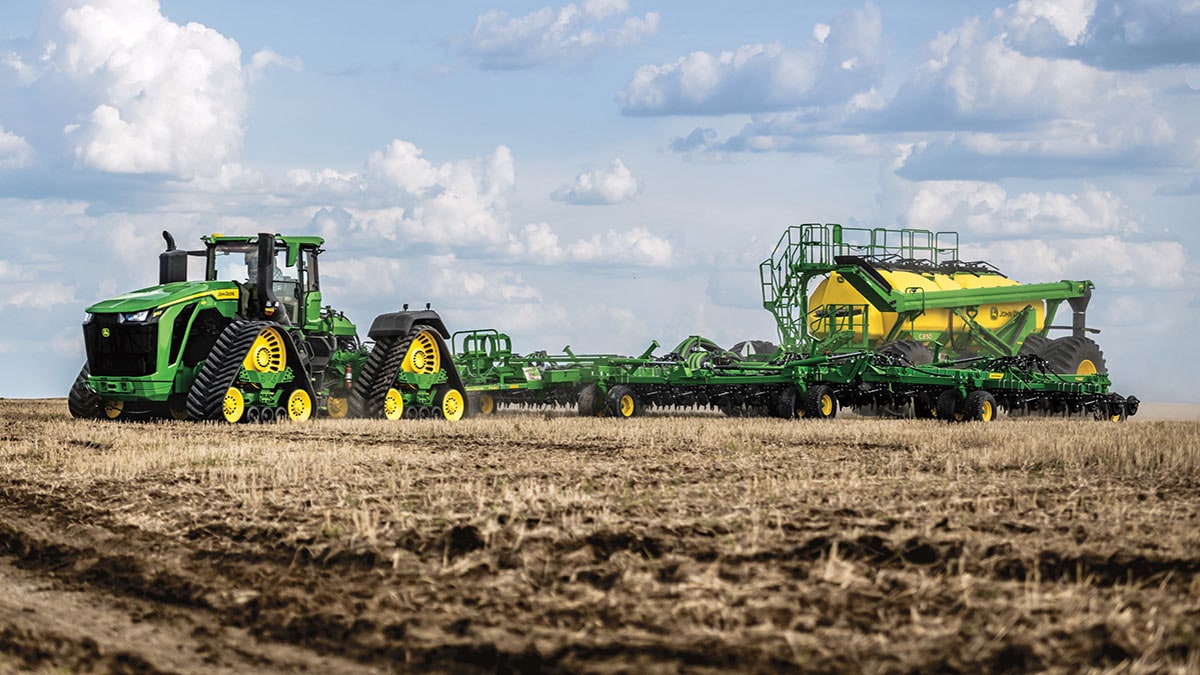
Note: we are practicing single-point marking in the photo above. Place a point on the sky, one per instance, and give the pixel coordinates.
(599, 173)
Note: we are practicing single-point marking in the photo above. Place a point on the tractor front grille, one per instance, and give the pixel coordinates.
(122, 349)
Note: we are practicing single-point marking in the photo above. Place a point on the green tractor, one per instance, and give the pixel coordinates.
(252, 342)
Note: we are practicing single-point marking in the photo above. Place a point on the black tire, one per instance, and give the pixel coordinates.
(591, 401)
(916, 353)
(924, 406)
(949, 406)
(980, 406)
(622, 402)
(820, 402)
(1072, 355)
(754, 349)
(82, 401)
(787, 404)
(1034, 344)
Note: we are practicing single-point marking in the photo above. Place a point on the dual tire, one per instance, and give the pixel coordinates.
(978, 406)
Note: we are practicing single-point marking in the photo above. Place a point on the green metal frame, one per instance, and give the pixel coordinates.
(810, 251)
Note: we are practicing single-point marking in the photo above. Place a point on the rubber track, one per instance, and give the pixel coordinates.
(366, 397)
(221, 366)
(82, 400)
(379, 372)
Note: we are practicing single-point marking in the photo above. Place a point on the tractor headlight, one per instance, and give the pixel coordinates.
(87, 318)
(135, 317)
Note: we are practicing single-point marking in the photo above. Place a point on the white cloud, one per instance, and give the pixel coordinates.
(169, 98)
(548, 34)
(265, 58)
(1035, 237)
(986, 211)
(15, 152)
(538, 243)
(1110, 261)
(403, 200)
(637, 246)
(1114, 34)
(837, 62)
(38, 296)
(597, 186)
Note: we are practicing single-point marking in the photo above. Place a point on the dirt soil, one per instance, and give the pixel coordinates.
(531, 542)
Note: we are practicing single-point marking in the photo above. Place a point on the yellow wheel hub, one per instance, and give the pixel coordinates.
(1086, 367)
(113, 409)
(487, 404)
(234, 405)
(337, 407)
(393, 405)
(986, 412)
(826, 403)
(267, 354)
(299, 406)
(423, 355)
(453, 406)
(626, 406)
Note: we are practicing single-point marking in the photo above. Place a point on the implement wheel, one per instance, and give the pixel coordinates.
(979, 407)
(950, 406)
(914, 352)
(622, 402)
(1075, 356)
(591, 401)
(487, 404)
(820, 402)
(788, 404)
(924, 406)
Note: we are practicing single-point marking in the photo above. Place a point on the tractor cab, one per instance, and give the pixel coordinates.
(277, 275)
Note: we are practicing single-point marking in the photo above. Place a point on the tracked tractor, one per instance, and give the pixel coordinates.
(253, 342)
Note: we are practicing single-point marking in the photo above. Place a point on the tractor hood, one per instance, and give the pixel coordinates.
(158, 297)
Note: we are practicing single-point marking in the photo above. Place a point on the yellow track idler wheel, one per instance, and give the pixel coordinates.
(451, 403)
(423, 356)
(393, 405)
(234, 405)
(267, 354)
(487, 404)
(299, 406)
(337, 408)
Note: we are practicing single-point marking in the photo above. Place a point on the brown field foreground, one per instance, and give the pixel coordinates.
(553, 543)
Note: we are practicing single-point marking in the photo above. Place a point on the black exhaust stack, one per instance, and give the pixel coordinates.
(172, 263)
(268, 304)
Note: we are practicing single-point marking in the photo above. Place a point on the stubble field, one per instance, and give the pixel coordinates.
(553, 543)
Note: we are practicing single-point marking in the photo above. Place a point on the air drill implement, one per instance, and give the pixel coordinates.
(896, 321)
